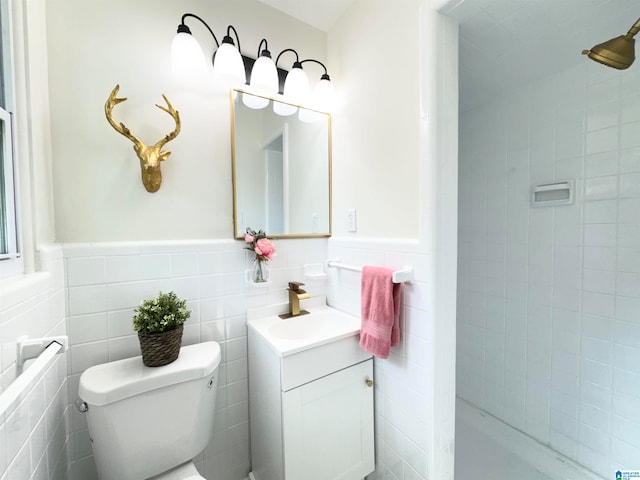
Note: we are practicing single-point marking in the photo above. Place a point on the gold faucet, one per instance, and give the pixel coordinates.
(295, 295)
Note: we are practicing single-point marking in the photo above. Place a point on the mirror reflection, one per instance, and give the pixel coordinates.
(281, 167)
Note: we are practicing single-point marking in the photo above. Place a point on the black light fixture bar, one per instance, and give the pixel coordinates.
(248, 62)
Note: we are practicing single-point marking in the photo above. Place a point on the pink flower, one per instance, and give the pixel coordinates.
(265, 248)
(248, 238)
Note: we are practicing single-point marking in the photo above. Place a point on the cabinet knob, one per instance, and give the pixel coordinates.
(369, 382)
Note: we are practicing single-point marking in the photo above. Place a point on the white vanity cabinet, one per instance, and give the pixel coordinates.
(327, 426)
(311, 409)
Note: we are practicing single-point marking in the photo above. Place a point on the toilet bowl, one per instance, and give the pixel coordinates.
(150, 422)
(186, 471)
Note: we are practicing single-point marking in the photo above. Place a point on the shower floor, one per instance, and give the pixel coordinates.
(487, 449)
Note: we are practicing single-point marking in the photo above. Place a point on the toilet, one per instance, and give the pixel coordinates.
(150, 422)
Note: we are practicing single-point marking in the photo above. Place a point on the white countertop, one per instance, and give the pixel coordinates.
(322, 325)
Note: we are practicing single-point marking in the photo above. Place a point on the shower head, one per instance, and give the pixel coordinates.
(617, 52)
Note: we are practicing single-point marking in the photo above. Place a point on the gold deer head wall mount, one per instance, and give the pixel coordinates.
(150, 155)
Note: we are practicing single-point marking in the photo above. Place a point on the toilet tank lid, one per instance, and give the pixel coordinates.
(110, 382)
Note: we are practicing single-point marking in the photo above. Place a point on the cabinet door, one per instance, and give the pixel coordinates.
(328, 426)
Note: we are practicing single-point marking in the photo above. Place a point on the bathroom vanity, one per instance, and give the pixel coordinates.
(311, 395)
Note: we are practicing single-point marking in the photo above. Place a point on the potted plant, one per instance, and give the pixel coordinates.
(159, 323)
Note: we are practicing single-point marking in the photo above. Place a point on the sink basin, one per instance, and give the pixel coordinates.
(321, 325)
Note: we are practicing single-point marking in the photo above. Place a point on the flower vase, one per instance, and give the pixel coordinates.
(260, 272)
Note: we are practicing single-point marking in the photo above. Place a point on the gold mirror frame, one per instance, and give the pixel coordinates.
(238, 228)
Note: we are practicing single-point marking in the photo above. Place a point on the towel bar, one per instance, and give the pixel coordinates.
(399, 276)
(43, 350)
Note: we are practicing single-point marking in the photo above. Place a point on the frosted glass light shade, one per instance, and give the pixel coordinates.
(228, 66)
(310, 116)
(305, 115)
(296, 86)
(254, 102)
(284, 109)
(322, 98)
(296, 90)
(186, 54)
(264, 76)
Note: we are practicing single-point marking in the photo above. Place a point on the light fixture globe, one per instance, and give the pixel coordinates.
(310, 116)
(186, 53)
(296, 90)
(254, 102)
(264, 76)
(296, 85)
(322, 97)
(227, 64)
(284, 109)
(321, 101)
(264, 81)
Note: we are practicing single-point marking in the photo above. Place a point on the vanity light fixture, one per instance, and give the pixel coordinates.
(227, 61)
(261, 74)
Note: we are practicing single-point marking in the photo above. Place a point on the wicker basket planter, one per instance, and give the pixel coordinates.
(160, 349)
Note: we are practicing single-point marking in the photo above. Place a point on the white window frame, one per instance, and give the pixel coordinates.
(9, 197)
(11, 262)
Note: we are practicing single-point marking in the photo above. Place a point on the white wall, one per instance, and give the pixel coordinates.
(98, 193)
(549, 297)
(374, 59)
(395, 160)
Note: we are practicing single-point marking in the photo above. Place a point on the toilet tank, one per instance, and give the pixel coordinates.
(143, 420)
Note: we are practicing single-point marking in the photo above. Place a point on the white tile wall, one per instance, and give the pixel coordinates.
(549, 298)
(107, 280)
(402, 425)
(33, 434)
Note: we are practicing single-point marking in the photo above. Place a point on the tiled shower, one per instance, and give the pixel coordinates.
(548, 297)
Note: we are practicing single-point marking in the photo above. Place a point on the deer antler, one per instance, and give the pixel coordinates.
(121, 128)
(170, 136)
(150, 156)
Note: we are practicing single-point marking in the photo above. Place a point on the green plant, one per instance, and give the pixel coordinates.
(160, 314)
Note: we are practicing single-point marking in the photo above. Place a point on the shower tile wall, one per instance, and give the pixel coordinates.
(549, 298)
(33, 437)
(106, 281)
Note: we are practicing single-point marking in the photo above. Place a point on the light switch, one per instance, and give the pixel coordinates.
(351, 220)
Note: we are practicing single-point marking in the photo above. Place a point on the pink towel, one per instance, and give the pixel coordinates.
(380, 311)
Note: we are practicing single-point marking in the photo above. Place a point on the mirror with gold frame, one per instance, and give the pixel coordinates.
(281, 168)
